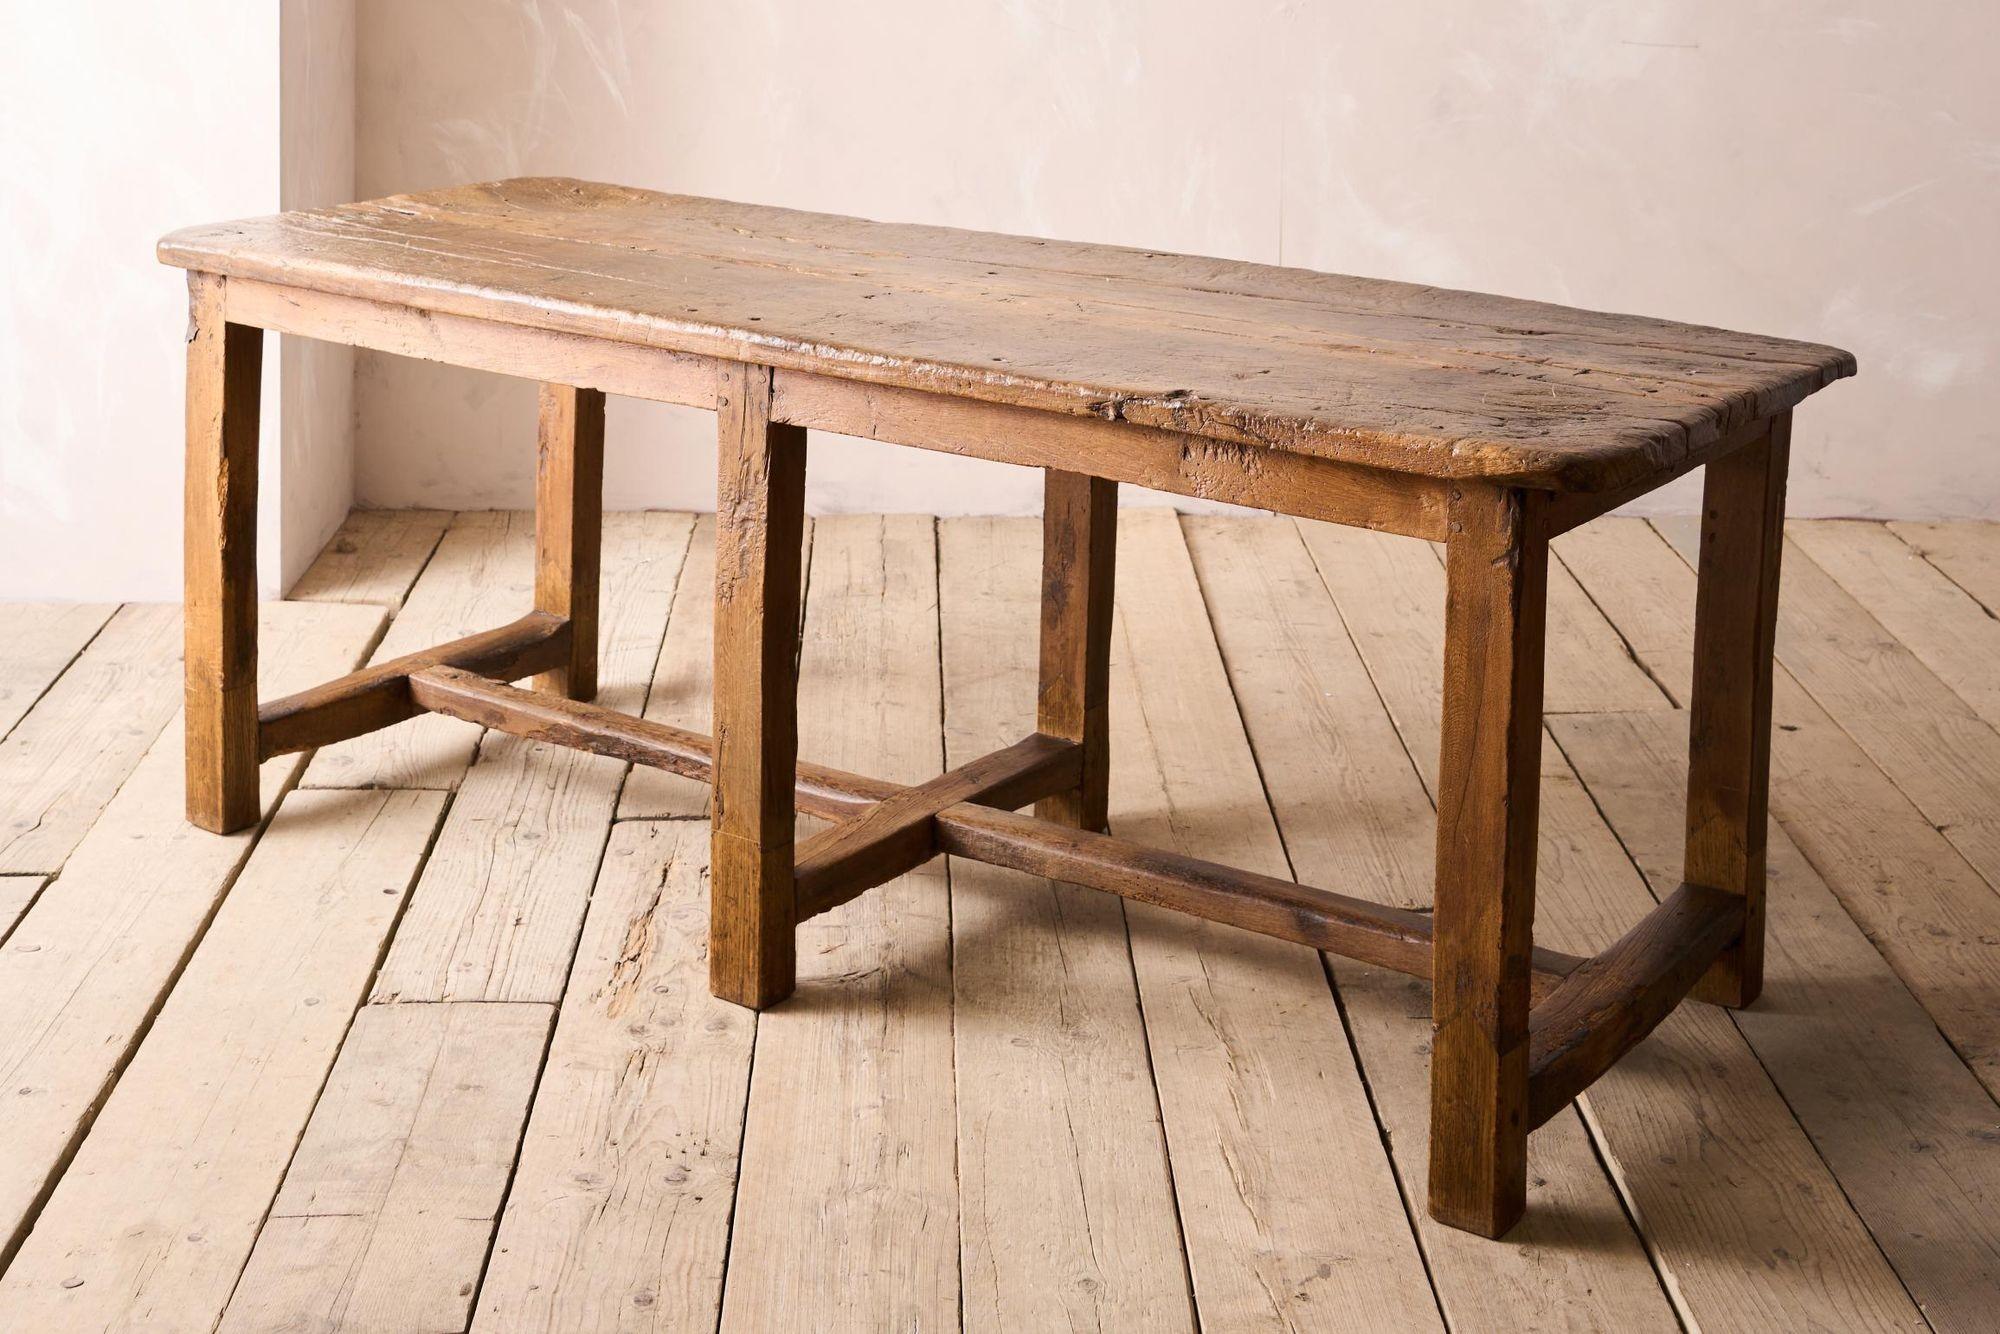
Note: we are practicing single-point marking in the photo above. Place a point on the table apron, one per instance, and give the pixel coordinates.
(1182, 463)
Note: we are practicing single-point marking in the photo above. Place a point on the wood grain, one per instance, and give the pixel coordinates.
(1903, 1124)
(883, 825)
(65, 760)
(1968, 552)
(219, 539)
(1288, 1202)
(1496, 590)
(1623, 992)
(84, 972)
(682, 686)
(569, 506)
(1233, 471)
(1931, 915)
(1746, 1223)
(388, 1209)
(374, 557)
(1748, 1233)
(495, 916)
(379, 696)
(1916, 602)
(848, 1148)
(481, 576)
(1583, 668)
(154, 1218)
(1066, 1209)
(682, 683)
(1384, 374)
(900, 832)
(1930, 742)
(618, 1216)
(1353, 810)
(478, 344)
(1586, 668)
(1158, 457)
(1647, 593)
(17, 892)
(760, 515)
(1729, 709)
(43, 639)
(821, 790)
(1345, 924)
(1072, 700)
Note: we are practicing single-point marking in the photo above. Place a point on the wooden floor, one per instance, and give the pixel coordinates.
(433, 1049)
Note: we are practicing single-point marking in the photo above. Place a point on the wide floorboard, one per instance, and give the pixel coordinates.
(431, 1047)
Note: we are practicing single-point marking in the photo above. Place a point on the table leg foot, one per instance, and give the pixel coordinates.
(569, 522)
(1079, 555)
(1729, 729)
(1489, 776)
(760, 523)
(224, 368)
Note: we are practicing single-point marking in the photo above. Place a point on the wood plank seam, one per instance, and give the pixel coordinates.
(937, 821)
(504, 893)
(375, 557)
(1635, 1081)
(17, 897)
(81, 1083)
(1458, 417)
(1983, 598)
(1607, 1006)
(1974, 572)
(1639, 659)
(1393, 937)
(1850, 1048)
(57, 675)
(1248, 358)
(1335, 763)
(1686, 1122)
(53, 790)
(617, 624)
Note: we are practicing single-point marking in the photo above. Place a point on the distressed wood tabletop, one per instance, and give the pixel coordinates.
(1390, 375)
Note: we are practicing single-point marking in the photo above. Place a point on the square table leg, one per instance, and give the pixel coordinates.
(224, 370)
(760, 522)
(1729, 729)
(1079, 555)
(569, 525)
(1489, 777)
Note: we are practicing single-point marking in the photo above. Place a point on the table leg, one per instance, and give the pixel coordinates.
(569, 524)
(224, 370)
(1489, 772)
(1729, 729)
(760, 519)
(1079, 553)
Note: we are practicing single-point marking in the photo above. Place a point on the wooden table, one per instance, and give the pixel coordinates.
(1488, 424)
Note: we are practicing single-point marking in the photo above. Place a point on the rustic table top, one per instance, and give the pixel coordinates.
(1392, 375)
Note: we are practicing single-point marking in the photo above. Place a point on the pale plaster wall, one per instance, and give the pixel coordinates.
(1825, 170)
(315, 168)
(119, 123)
(117, 129)
(1819, 169)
